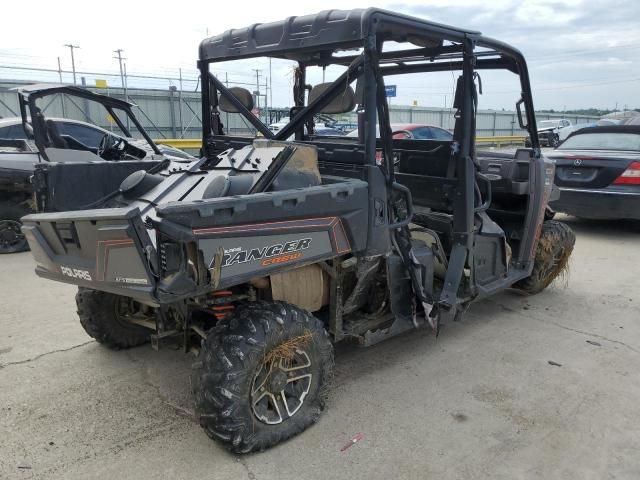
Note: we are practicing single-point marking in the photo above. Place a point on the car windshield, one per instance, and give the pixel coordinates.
(548, 123)
(602, 141)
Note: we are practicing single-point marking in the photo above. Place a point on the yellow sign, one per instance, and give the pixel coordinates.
(101, 83)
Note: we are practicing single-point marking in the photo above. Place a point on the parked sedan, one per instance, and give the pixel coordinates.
(413, 131)
(598, 172)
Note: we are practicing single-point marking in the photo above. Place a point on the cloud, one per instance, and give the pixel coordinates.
(564, 41)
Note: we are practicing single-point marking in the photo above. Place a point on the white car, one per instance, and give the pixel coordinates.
(552, 132)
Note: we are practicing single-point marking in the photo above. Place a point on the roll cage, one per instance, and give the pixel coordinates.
(321, 40)
(314, 40)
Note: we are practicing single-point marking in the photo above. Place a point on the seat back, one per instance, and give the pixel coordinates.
(344, 102)
(241, 94)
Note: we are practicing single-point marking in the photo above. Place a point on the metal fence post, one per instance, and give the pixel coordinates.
(180, 105)
(172, 113)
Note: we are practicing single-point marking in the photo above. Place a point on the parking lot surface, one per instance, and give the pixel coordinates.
(525, 387)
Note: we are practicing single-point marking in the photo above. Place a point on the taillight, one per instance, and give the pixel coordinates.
(631, 176)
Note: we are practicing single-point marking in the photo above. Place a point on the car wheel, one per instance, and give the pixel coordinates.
(106, 317)
(261, 375)
(552, 257)
(12, 240)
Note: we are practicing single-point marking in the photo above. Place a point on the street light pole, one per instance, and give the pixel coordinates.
(73, 60)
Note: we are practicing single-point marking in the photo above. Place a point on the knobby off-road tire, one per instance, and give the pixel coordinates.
(103, 314)
(11, 238)
(552, 256)
(251, 359)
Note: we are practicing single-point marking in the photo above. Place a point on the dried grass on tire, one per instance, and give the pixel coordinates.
(286, 351)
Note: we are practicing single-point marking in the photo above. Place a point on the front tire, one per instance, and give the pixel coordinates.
(554, 141)
(552, 257)
(261, 375)
(104, 317)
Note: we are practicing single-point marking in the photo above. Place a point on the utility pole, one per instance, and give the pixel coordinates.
(64, 113)
(120, 58)
(59, 70)
(180, 105)
(257, 88)
(226, 115)
(270, 85)
(123, 74)
(73, 60)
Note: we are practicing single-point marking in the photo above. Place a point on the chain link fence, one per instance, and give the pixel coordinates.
(175, 111)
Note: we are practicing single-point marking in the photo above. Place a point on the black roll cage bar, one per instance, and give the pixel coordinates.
(28, 96)
(370, 66)
(416, 60)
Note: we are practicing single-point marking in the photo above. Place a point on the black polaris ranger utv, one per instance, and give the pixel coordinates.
(265, 251)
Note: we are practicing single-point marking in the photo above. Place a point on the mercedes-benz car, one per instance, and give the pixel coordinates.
(598, 173)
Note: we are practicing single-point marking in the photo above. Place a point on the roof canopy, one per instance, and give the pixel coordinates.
(306, 37)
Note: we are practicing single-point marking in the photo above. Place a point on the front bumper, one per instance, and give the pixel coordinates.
(545, 138)
(598, 203)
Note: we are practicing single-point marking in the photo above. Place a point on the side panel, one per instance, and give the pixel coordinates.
(262, 249)
(247, 236)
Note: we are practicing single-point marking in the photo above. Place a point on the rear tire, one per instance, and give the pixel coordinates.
(103, 317)
(12, 240)
(552, 257)
(247, 394)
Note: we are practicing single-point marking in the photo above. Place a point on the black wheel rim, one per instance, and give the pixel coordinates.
(279, 387)
(11, 238)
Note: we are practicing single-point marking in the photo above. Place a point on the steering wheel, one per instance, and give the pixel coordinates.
(111, 147)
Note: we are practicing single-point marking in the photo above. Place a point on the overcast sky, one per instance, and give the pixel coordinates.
(580, 53)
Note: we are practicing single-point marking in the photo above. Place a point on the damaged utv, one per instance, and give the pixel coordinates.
(264, 252)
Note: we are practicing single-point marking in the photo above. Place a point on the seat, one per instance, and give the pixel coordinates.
(342, 103)
(241, 94)
(54, 135)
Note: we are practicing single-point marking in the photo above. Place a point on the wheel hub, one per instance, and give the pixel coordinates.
(278, 381)
(279, 388)
(10, 234)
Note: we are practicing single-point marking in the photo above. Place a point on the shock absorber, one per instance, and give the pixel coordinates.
(221, 305)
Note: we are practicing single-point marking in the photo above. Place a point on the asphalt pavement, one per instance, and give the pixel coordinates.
(542, 387)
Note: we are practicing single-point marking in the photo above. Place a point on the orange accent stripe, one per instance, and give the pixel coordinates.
(261, 226)
(107, 245)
